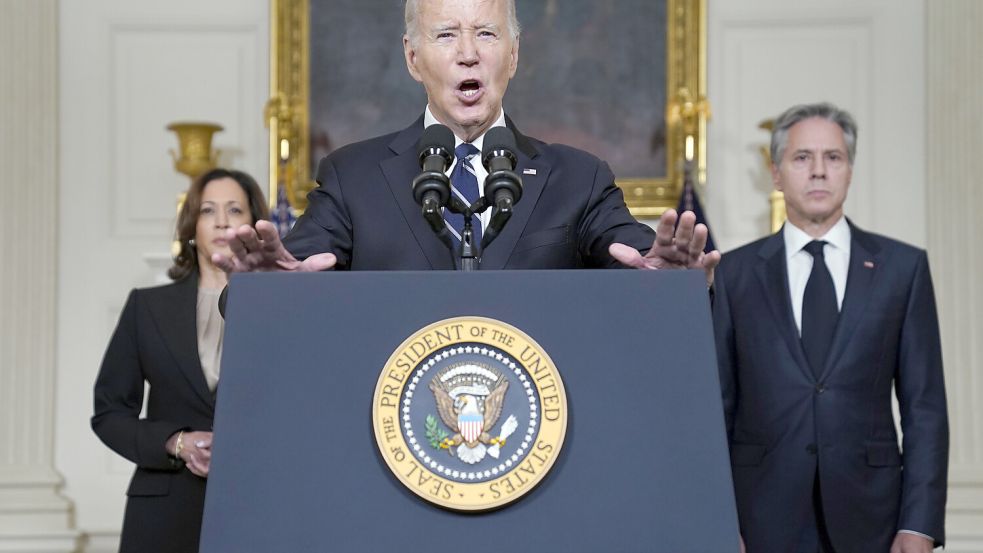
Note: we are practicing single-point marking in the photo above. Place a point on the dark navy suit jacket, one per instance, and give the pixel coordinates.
(784, 424)
(364, 212)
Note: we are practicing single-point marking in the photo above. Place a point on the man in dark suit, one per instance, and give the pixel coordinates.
(815, 325)
(363, 215)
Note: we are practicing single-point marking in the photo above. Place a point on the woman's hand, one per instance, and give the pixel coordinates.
(194, 448)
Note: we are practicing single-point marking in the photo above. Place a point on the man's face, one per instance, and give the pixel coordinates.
(814, 173)
(464, 56)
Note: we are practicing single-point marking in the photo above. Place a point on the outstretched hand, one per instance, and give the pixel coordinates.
(674, 247)
(260, 249)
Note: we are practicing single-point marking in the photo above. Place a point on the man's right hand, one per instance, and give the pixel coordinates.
(260, 249)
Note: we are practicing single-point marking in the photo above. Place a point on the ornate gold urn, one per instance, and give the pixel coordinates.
(195, 145)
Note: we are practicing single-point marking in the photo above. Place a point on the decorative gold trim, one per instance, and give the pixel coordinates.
(776, 200)
(287, 111)
(687, 109)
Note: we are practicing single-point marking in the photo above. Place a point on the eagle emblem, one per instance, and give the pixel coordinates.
(470, 397)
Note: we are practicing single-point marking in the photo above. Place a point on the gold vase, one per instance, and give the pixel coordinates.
(195, 144)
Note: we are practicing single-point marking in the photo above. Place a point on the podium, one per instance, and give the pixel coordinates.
(643, 466)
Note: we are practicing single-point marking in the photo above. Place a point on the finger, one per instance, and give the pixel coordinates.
(699, 242)
(223, 262)
(270, 239)
(627, 256)
(247, 242)
(711, 260)
(684, 231)
(194, 465)
(319, 262)
(664, 230)
(203, 440)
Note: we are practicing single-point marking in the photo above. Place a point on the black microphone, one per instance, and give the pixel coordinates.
(432, 188)
(503, 187)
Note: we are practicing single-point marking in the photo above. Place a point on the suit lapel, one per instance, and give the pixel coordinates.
(773, 275)
(400, 171)
(865, 258)
(534, 174)
(176, 306)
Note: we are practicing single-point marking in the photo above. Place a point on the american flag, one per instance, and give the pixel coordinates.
(283, 214)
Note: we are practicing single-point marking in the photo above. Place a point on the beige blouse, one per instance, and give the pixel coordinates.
(210, 330)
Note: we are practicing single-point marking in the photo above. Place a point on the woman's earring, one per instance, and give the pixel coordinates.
(191, 242)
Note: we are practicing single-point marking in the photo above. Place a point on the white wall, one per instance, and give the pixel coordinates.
(127, 69)
(866, 56)
(954, 202)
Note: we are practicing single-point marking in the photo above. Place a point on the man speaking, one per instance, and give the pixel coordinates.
(363, 215)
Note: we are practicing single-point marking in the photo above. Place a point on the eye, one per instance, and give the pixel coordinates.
(444, 36)
(207, 209)
(486, 34)
(236, 210)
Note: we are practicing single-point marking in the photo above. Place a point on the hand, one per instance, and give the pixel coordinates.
(195, 450)
(911, 543)
(260, 249)
(682, 249)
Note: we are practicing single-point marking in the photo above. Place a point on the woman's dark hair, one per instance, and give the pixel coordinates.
(186, 262)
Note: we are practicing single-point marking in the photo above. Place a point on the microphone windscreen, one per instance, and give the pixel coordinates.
(498, 138)
(437, 136)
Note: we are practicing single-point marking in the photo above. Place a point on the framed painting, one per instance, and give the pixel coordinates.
(622, 79)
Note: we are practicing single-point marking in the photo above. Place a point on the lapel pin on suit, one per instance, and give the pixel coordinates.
(869, 264)
(528, 171)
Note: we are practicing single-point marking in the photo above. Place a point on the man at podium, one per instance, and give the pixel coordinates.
(363, 215)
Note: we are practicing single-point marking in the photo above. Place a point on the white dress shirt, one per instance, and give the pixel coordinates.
(799, 262)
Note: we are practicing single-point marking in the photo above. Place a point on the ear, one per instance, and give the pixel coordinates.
(410, 54)
(775, 178)
(514, 58)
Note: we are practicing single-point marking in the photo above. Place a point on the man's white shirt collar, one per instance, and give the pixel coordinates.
(429, 119)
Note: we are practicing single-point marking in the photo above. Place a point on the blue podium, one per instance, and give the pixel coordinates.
(643, 467)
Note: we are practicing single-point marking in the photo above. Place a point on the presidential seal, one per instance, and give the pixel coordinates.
(470, 413)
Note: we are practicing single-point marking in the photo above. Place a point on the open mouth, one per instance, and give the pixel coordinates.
(469, 88)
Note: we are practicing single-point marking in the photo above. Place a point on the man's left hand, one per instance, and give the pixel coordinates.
(674, 247)
(911, 543)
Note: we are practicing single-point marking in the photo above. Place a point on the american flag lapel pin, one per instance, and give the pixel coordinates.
(869, 264)
(528, 171)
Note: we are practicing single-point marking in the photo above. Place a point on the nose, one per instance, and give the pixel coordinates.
(819, 167)
(467, 49)
(222, 219)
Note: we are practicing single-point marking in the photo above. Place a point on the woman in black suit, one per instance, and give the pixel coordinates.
(170, 337)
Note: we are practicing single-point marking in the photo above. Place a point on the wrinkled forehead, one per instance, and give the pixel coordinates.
(462, 13)
(816, 134)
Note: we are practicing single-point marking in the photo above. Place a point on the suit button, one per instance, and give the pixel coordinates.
(811, 448)
(820, 388)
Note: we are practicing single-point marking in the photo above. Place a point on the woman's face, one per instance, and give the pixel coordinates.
(224, 205)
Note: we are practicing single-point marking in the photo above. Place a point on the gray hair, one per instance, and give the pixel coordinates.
(827, 111)
(413, 28)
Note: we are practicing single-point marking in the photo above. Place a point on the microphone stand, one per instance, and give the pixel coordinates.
(470, 261)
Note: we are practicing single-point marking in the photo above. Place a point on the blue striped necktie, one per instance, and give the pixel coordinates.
(464, 185)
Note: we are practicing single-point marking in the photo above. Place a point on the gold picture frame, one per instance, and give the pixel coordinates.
(686, 112)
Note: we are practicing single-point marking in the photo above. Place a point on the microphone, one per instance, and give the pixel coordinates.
(432, 188)
(502, 186)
